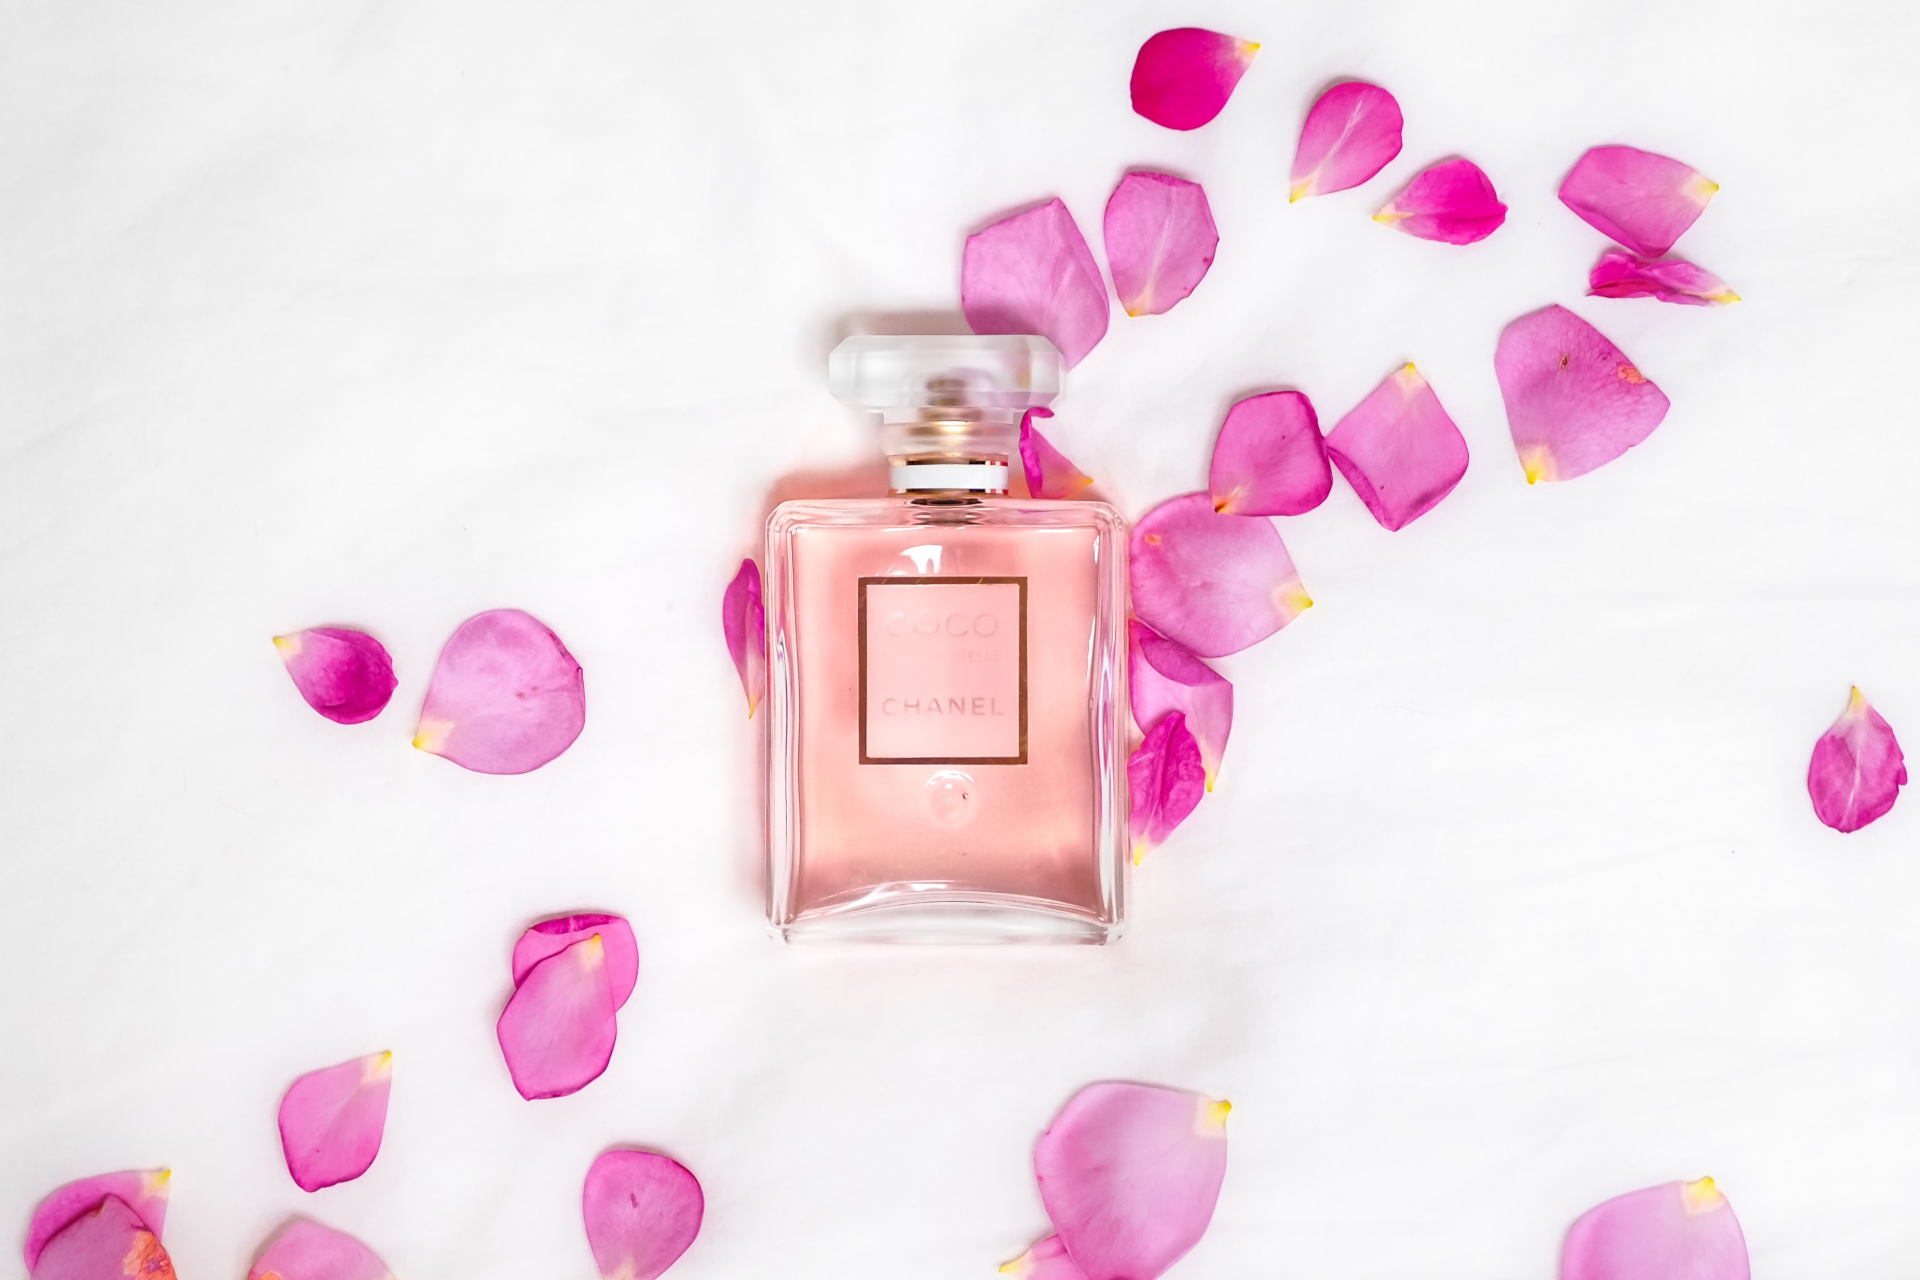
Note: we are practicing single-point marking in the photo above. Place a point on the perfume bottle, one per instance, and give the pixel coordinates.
(946, 672)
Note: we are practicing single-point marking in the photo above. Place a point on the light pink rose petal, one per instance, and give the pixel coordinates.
(1182, 78)
(1624, 275)
(1399, 449)
(557, 1032)
(1680, 1231)
(1129, 1174)
(1268, 459)
(1453, 202)
(308, 1251)
(1574, 400)
(1643, 200)
(1049, 474)
(1046, 1260)
(144, 1191)
(1857, 768)
(550, 937)
(1351, 133)
(642, 1211)
(347, 676)
(332, 1120)
(1216, 583)
(1165, 780)
(743, 618)
(1033, 273)
(107, 1242)
(1163, 677)
(506, 696)
(1160, 240)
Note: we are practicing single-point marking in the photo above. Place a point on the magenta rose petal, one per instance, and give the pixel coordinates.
(1574, 400)
(1163, 677)
(506, 696)
(1182, 78)
(106, 1242)
(1857, 768)
(332, 1120)
(1160, 240)
(308, 1251)
(642, 1212)
(1046, 1260)
(1165, 780)
(1351, 133)
(1049, 474)
(347, 676)
(1216, 583)
(1268, 459)
(1643, 200)
(550, 937)
(1683, 1230)
(557, 1032)
(1453, 202)
(144, 1191)
(743, 619)
(1625, 275)
(1033, 273)
(1399, 449)
(1129, 1173)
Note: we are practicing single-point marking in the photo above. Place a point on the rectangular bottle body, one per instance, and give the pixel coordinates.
(947, 689)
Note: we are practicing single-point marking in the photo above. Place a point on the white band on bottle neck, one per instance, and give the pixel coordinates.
(969, 477)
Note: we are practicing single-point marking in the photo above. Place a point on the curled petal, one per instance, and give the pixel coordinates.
(1453, 202)
(1683, 1230)
(1049, 474)
(332, 1120)
(550, 937)
(1268, 459)
(1160, 240)
(107, 1242)
(642, 1211)
(1182, 78)
(308, 1251)
(744, 620)
(1213, 582)
(1574, 400)
(1033, 273)
(506, 696)
(1351, 133)
(1399, 449)
(143, 1191)
(1623, 275)
(1046, 1260)
(1165, 780)
(1857, 768)
(1129, 1174)
(1643, 200)
(558, 1030)
(347, 676)
(1164, 677)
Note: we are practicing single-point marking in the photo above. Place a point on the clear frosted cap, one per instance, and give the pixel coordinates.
(957, 375)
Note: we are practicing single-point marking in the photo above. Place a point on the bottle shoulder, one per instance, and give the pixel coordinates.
(899, 512)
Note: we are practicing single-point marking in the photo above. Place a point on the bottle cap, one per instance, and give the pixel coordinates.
(946, 377)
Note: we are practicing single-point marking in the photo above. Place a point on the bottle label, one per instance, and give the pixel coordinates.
(943, 670)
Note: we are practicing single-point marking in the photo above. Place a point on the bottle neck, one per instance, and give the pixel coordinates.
(938, 453)
(947, 473)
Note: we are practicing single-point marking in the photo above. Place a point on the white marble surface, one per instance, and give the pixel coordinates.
(1511, 897)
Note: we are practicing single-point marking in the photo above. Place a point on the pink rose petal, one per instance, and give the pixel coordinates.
(1453, 202)
(1049, 474)
(308, 1251)
(1046, 1260)
(1129, 1174)
(506, 696)
(107, 1242)
(1643, 200)
(1033, 273)
(1268, 459)
(1216, 583)
(1163, 677)
(550, 937)
(345, 675)
(1857, 768)
(642, 1211)
(1351, 133)
(1399, 449)
(1574, 400)
(744, 620)
(1680, 1231)
(331, 1120)
(1623, 275)
(1182, 78)
(1165, 780)
(144, 1191)
(558, 1030)
(1160, 240)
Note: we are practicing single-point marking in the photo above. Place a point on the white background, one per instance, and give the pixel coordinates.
(1510, 899)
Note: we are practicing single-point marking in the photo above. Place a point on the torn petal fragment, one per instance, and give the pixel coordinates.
(144, 1191)
(1163, 677)
(332, 1120)
(1643, 200)
(1165, 780)
(308, 1251)
(1182, 78)
(1453, 202)
(1683, 1230)
(1574, 400)
(107, 1242)
(1399, 450)
(1046, 1260)
(1351, 133)
(743, 619)
(1857, 768)
(506, 696)
(550, 937)
(1049, 474)
(1033, 273)
(347, 676)
(1268, 459)
(557, 1032)
(642, 1211)
(1624, 275)
(1160, 240)
(1216, 583)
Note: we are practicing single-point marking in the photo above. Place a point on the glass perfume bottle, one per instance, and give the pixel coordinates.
(947, 673)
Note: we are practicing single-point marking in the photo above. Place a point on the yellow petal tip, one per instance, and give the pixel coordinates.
(1213, 1117)
(287, 645)
(1701, 1196)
